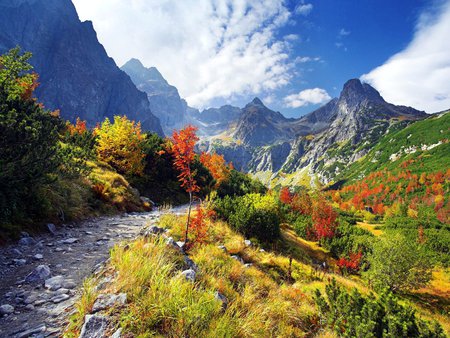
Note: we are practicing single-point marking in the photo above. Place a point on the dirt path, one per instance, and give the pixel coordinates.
(74, 252)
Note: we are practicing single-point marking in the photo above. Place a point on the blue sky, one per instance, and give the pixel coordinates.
(294, 55)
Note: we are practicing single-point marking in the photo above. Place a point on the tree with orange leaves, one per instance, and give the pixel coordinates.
(217, 166)
(285, 196)
(182, 149)
(324, 219)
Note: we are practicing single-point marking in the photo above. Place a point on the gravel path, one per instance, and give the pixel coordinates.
(63, 259)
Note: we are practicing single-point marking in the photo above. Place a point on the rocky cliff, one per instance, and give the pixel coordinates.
(76, 74)
(318, 145)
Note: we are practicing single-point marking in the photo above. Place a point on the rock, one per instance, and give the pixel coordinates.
(59, 249)
(20, 262)
(180, 245)
(154, 230)
(31, 332)
(60, 298)
(94, 326)
(117, 334)
(221, 298)
(38, 256)
(248, 265)
(38, 275)
(190, 263)
(51, 228)
(54, 283)
(105, 301)
(29, 307)
(189, 275)
(68, 284)
(30, 299)
(26, 241)
(62, 291)
(16, 252)
(223, 248)
(6, 309)
(69, 240)
(239, 259)
(248, 243)
(262, 250)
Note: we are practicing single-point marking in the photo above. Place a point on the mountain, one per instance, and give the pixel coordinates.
(316, 147)
(165, 101)
(76, 74)
(213, 121)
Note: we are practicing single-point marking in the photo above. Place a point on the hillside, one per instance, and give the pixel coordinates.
(77, 76)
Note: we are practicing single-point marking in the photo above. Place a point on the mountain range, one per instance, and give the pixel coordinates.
(79, 78)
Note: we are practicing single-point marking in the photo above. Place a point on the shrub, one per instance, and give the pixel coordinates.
(252, 215)
(398, 264)
(303, 226)
(239, 184)
(352, 315)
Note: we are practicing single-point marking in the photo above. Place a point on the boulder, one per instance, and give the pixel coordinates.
(60, 298)
(6, 309)
(105, 301)
(38, 275)
(26, 241)
(189, 275)
(94, 326)
(239, 259)
(117, 334)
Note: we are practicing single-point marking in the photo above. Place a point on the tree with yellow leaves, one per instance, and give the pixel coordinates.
(122, 145)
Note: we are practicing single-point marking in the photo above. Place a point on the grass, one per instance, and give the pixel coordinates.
(270, 298)
(373, 228)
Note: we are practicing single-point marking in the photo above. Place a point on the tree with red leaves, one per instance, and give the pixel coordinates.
(285, 196)
(324, 219)
(198, 227)
(350, 264)
(182, 150)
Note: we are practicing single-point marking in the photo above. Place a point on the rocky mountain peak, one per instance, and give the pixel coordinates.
(257, 101)
(355, 91)
(139, 73)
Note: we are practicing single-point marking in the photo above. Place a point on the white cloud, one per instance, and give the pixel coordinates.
(304, 59)
(419, 76)
(208, 49)
(306, 97)
(303, 9)
(344, 32)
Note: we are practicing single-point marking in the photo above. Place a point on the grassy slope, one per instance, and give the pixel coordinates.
(263, 299)
(428, 132)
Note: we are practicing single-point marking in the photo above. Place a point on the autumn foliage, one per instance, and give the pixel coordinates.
(121, 145)
(324, 219)
(217, 166)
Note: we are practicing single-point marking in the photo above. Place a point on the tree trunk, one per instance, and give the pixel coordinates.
(188, 219)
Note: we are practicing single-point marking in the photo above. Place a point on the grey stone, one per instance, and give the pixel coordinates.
(16, 252)
(248, 265)
(38, 275)
(26, 241)
(221, 298)
(94, 326)
(190, 263)
(30, 299)
(262, 250)
(189, 275)
(117, 334)
(29, 307)
(59, 249)
(239, 259)
(51, 228)
(180, 245)
(248, 243)
(105, 301)
(31, 332)
(60, 298)
(38, 256)
(62, 291)
(20, 262)
(69, 240)
(54, 283)
(6, 309)
(69, 285)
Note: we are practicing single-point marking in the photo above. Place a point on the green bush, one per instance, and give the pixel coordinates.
(252, 215)
(239, 184)
(303, 226)
(352, 315)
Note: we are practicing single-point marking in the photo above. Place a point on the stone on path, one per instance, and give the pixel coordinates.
(38, 275)
(31, 332)
(60, 298)
(26, 241)
(38, 256)
(51, 228)
(54, 283)
(69, 240)
(6, 309)
(94, 326)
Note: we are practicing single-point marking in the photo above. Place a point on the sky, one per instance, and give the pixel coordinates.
(294, 55)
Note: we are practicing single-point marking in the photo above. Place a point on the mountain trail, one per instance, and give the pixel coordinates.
(40, 277)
